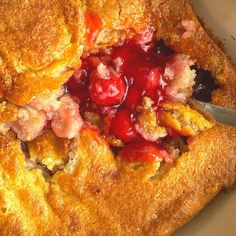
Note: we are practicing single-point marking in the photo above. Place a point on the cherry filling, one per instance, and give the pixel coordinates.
(122, 83)
(145, 152)
(122, 126)
(119, 78)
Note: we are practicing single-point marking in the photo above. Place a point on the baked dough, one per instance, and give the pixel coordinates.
(40, 43)
(96, 194)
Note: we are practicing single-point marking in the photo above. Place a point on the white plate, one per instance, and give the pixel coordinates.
(218, 218)
(220, 17)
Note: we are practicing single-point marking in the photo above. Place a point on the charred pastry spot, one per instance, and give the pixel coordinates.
(162, 49)
(25, 149)
(115, 150)
(204, 85)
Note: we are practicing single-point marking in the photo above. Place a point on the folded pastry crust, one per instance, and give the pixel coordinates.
(40, 43)
(96, 194)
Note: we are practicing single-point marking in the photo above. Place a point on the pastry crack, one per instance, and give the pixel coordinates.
(47, 173)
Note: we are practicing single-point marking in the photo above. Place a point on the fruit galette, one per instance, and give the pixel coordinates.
(97, 136)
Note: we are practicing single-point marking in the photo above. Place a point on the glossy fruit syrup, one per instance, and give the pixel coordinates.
(113, 84)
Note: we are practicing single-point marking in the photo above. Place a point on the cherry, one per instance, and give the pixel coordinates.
(107, 91)
(77, 85)
(93, 62)
(143, 152)
(122, 126)
(148, 79)
(140, 75)
(153, 80)
(133, 98)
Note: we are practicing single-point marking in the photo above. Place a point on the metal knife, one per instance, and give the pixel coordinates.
(219, 114)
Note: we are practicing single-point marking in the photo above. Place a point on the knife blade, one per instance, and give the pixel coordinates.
(219, 114)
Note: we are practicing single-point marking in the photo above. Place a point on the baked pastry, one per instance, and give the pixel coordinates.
(58, 174)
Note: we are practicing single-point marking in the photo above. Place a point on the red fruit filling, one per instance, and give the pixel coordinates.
(133, 98)
(105, 88)
(123, 126)
(119, 77)
(113, 84)
(144, 152)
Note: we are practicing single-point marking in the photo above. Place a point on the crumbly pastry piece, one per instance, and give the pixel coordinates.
(95, 194)
(147, 122)
(184, 119)
(49, 150)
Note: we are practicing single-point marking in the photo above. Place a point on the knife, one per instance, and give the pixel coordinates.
(219, 114)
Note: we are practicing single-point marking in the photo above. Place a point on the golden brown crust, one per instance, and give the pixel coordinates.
(97, 194)
(8, 112)
(39, 42)
(120, 20)
(49, 150)
(100, 195)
